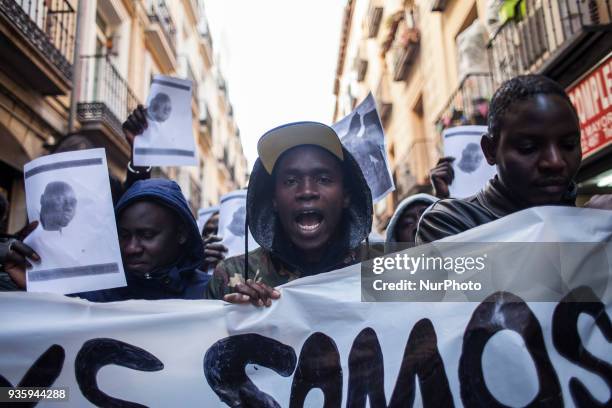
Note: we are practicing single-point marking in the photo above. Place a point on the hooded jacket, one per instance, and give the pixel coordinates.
(399, 211)
(276, 261)
(180, 280)
(453, 216)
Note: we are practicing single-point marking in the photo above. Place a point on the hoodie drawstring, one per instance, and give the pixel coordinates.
(246, 247)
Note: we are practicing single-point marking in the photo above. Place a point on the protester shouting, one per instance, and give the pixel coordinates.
(534, 141)
(308, 207)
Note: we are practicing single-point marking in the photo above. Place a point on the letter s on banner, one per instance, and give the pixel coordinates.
(97, 353)
(567, 341)
(224, 364)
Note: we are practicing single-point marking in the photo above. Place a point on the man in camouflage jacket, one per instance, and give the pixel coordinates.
(308, 207)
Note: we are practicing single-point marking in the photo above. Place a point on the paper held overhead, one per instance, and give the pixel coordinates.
(362, 134)
(168, 139)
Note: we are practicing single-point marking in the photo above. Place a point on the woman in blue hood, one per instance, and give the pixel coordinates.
(161, 245)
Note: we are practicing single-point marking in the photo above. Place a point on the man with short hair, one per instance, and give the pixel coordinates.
(308, 207)
(534, 141)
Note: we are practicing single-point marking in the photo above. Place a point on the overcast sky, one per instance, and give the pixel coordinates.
(279, 58)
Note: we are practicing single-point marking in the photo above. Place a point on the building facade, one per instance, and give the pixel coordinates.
(122, 44)
(435, 64)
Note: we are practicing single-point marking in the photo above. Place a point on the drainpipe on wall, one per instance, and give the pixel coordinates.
(76, 66)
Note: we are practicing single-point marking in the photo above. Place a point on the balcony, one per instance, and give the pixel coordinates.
(37, 43)
(161, 34)
(383, 100)
(188, 73)
(362, 68)
(106, 101)
(205, 44)
(438, 5)
(469, 103)
(205, 124)
(400, 45)
(550, 37)
(195, 195)
(374, 18)
(192, 9)
(404, 53)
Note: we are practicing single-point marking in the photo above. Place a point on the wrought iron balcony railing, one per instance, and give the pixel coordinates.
(469, 103)
(107, 97)
(49, 26)
(158, 12)
(541, 29)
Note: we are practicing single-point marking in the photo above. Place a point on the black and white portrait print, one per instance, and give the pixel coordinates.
(76, 238)
(237, 225)
(472, 172)
(160, 108)
(168, 139)
(471, 157)
(232, 223)
(58, 204)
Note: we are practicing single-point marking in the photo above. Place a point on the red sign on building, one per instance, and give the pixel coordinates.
(592, 97)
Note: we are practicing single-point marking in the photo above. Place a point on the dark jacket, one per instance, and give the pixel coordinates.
(453, 216)
(276, 261)
(181, 280)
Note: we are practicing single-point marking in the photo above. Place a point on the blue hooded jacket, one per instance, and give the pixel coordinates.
(181, 280)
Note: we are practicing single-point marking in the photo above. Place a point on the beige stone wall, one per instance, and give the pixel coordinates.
(413, 141)
(28, 119)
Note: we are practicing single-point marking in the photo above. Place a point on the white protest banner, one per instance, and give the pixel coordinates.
(69, 194)
(472, 172)
(318, 345)
(362, 134)
(232, 223)
(204, 215)
(168, 139)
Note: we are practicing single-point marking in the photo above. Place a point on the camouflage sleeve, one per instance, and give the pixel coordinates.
(225, 277)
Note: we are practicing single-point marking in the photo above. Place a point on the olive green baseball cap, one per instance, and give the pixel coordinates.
(277, 141)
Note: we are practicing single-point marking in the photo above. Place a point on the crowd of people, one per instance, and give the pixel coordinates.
(310, 208)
